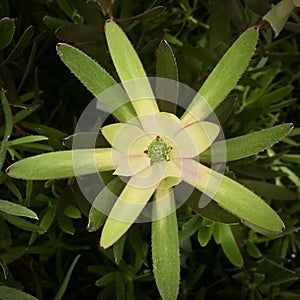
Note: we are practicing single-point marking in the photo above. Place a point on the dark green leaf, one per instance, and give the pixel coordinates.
(166, 67)
(79, 33)
(269, 190)
(7, 29)
(294, 158)
(106, 279)
(97, 212)
(66, 224)
(212, 211)
(13, 254)
(21, 223)
(149, 14)
(65, 283)
(8, 127)
(23, 42)
(9, 293)
(118, 249)
(53, 23)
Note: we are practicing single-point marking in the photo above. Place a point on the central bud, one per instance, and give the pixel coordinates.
(158, 151)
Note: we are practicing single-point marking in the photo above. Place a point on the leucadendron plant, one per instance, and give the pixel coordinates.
(157, 150)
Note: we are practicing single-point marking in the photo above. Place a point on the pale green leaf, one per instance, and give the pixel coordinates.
(249, 144)
(27, 139)
(230, 247)
(165, 248)
(204, 235)
(129, 67)
(124, 212)
(96, 80)
(279, 14)
(9, 293)
(233, 197)
(16, 210)
(60, 164)
(223, 78)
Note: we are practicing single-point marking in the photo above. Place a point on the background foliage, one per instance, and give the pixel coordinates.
(41, 257)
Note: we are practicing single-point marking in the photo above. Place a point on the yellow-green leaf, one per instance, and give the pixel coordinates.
(61, 165)
(15, 209)
(165, 247)
(233, 197)
(129, 67)
(223, 78)
(279, 14)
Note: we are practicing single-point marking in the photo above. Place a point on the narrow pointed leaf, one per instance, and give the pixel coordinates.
(23, 42)
(165, 248)
(16, 209)
(8, 127)
(60, 164)
(26, 139)
(65, 283)
(232, 196)
(249, 144)
(149, 14)
(224, 77)
(96, 80)
(125, 211)
(279, 14)
(129, 67)
(21, 223)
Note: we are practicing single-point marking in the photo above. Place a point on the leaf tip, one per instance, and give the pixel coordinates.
(7, 170)
(58, 45)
